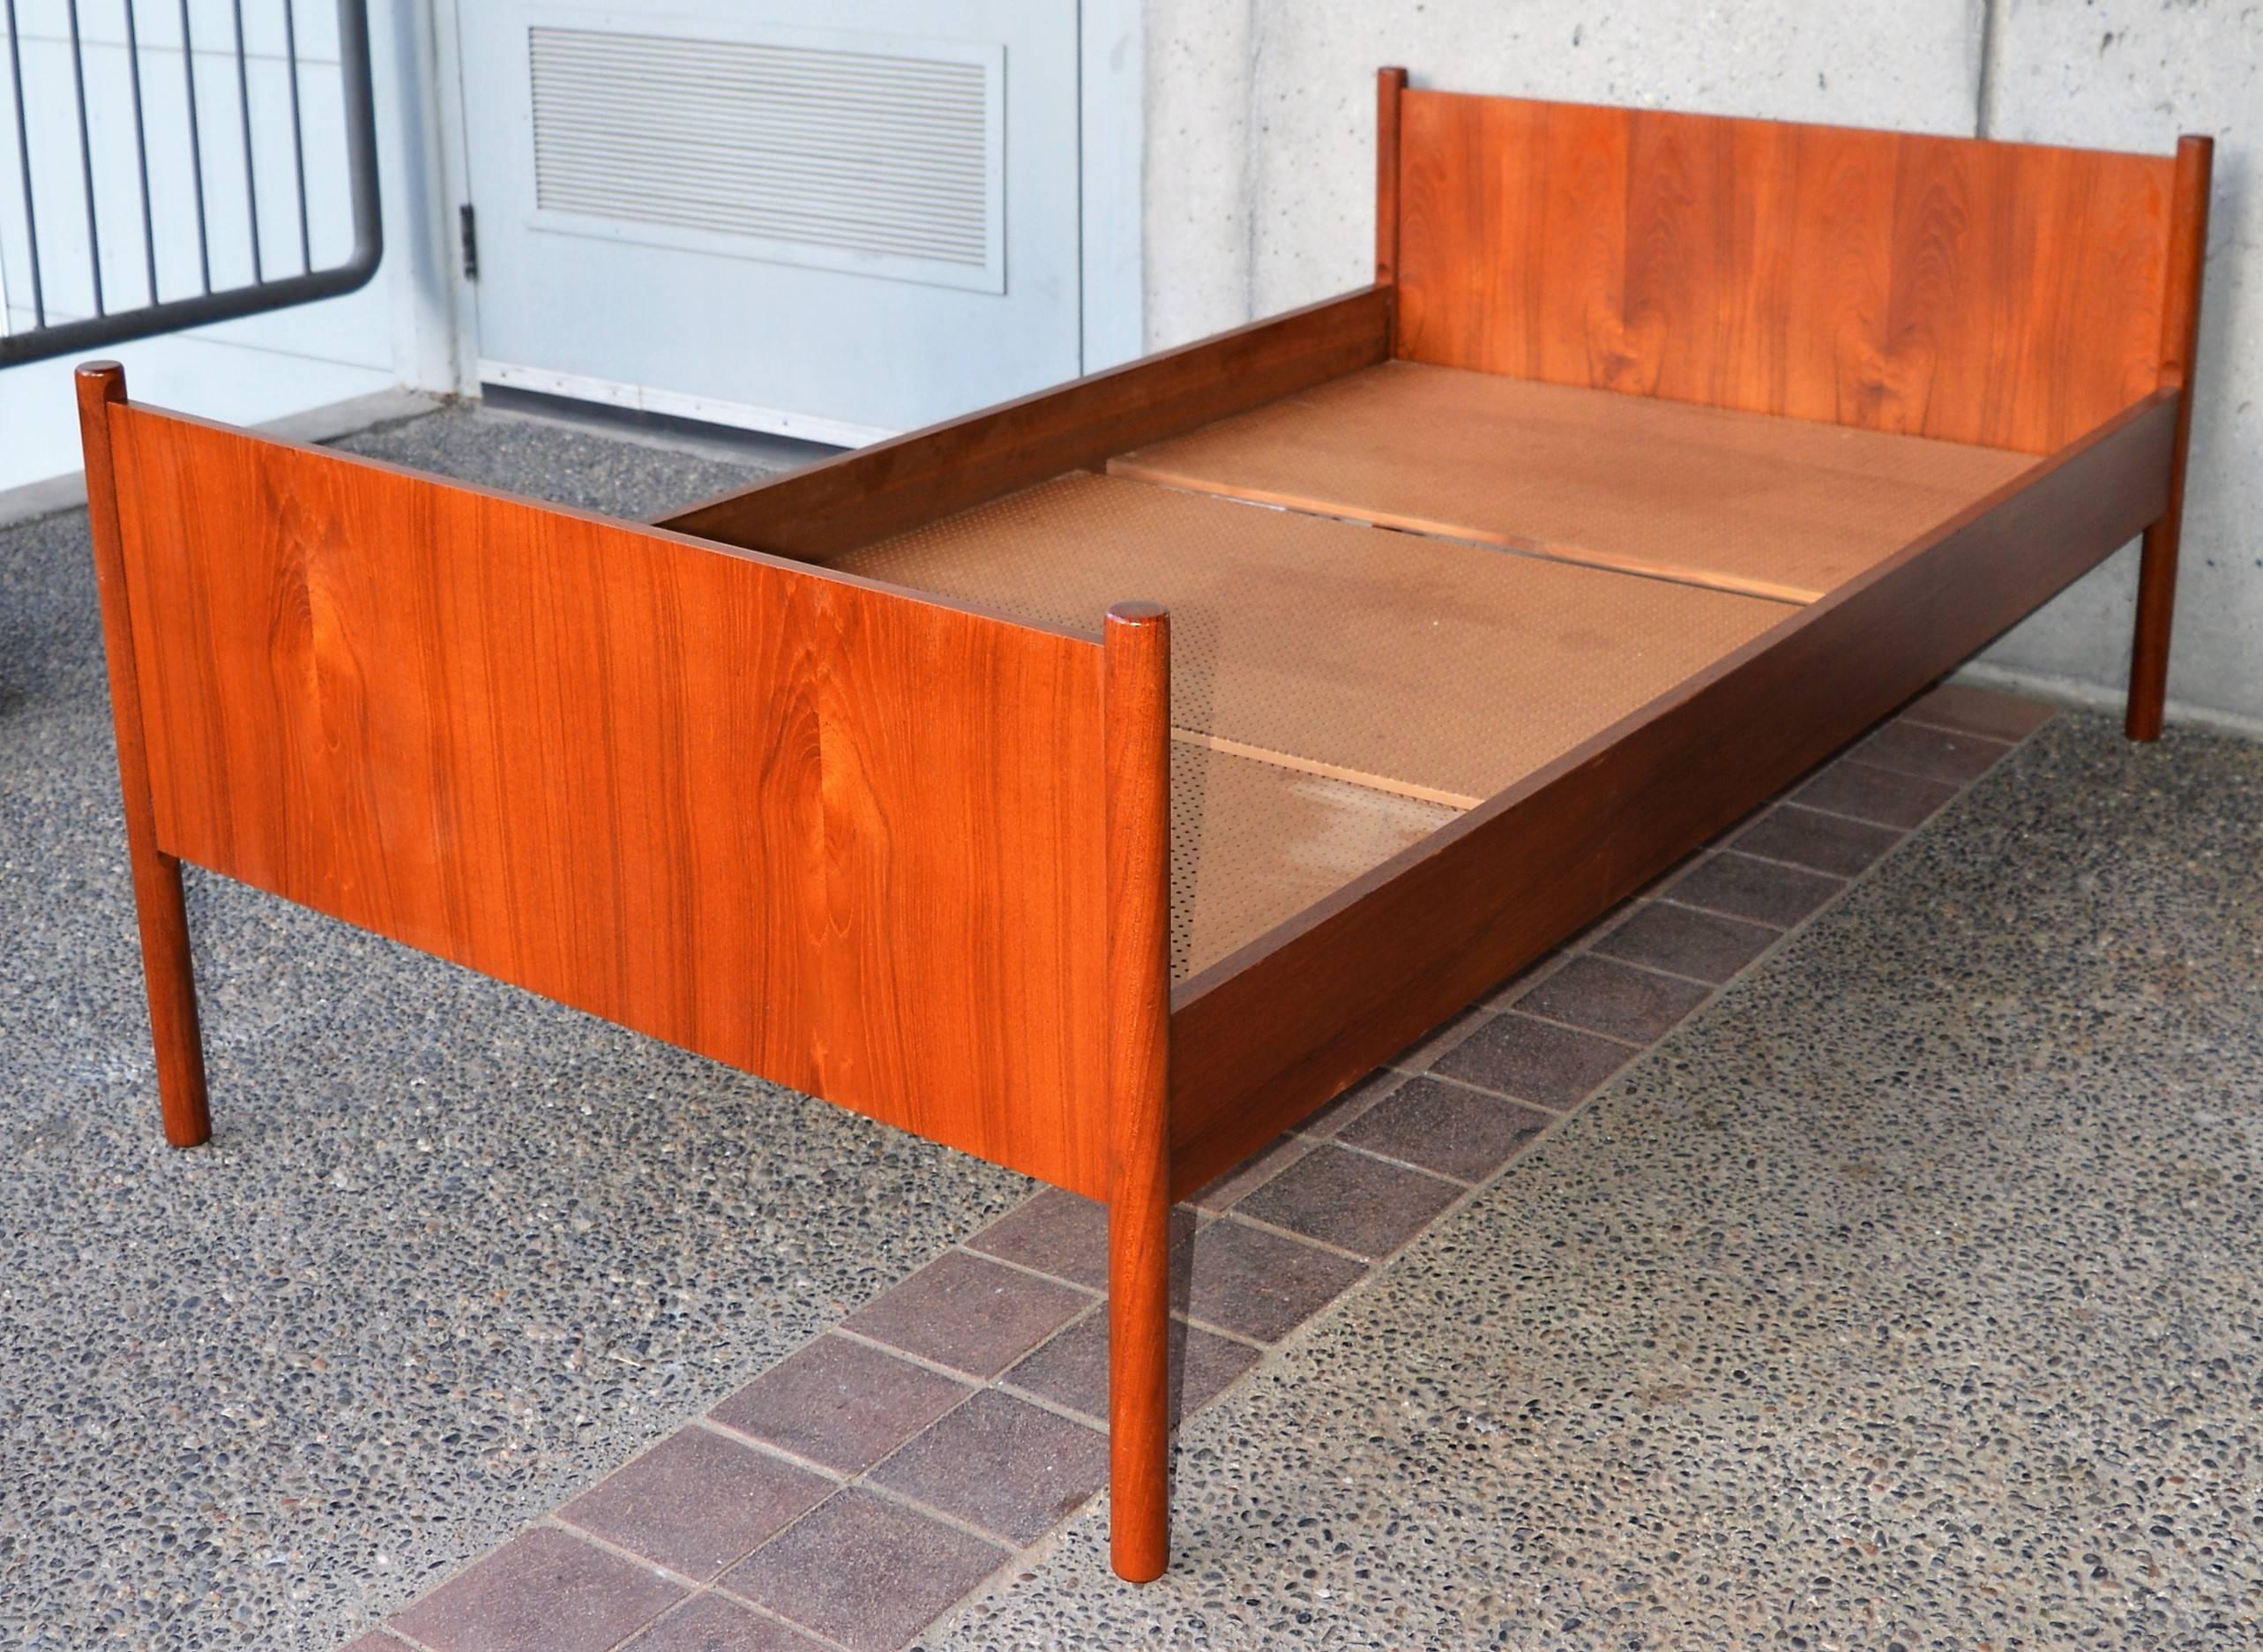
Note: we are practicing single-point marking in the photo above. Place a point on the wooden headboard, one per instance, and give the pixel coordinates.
(2008, 294)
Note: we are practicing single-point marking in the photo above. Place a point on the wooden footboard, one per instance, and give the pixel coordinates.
(841, 835)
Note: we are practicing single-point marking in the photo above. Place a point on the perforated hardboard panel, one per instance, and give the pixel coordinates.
(1785, 508)
(1253, 844)
(1440, 669)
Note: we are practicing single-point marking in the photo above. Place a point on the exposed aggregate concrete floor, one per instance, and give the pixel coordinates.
(1903, 1296)
(1905, 1299)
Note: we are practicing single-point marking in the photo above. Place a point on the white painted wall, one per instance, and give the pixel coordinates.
(1260, 193)
(395, 331)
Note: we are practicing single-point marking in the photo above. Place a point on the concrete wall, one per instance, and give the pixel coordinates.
(2131, 76)
(1259, 192)
(397, 330)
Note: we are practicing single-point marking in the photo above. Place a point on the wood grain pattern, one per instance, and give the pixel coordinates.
(845, 839)
(159, 910)
(2180, 353)
(1137, 788)
(890, 486)
(1262, 1038)
(2007, 294)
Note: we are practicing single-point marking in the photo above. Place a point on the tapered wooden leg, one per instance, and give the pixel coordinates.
(156, 875)
(2180, 348)
(1139, 1375)
(172, 998)
(2157, 603)
(1138, 714)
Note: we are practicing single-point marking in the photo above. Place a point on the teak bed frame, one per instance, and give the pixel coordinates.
(1778, 422)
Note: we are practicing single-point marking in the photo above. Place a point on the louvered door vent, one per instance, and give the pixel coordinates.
(881, 161)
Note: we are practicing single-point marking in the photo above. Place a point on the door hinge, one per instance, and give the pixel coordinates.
(469, 228)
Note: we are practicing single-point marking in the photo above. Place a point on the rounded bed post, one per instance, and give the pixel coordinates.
(1136, 703)
(1389, 84)
(2180, 338)
(164, 917)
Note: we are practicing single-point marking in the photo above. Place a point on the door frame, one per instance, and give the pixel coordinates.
(1112, 149)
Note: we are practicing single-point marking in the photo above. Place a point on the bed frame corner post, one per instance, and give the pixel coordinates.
(157, 903)
(2180, 335)
(1389, 83)
(1136, 716)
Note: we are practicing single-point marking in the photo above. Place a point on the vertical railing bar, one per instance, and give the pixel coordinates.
(23, 159)
(7, 322)
(298, 135)
(86, 156)
(360, 131)
(106, 325)
(250, 173)
(141, 150)
(196, 151)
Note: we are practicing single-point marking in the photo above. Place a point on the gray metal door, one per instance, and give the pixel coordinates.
(718, 211)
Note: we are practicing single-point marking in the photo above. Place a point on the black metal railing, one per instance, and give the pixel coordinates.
(49, 336)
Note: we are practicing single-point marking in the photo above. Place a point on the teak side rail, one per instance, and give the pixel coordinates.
(914, 856)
